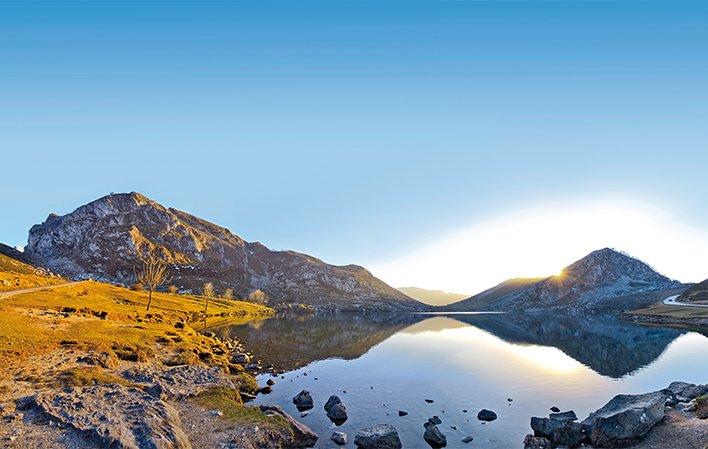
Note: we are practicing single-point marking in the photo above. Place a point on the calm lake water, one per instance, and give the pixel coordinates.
(465, 362)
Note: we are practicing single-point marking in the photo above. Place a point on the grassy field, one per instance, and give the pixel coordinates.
(93, 316)
(673, 311)
(16, 275)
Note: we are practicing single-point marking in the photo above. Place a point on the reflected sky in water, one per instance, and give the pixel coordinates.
(466, 363)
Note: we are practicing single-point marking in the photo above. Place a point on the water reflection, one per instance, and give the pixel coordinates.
(606, 344)
(380, 365)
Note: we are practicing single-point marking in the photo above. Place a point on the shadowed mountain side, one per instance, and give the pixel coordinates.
(604, 343)
(432, 297)
(696, 293)
(290, 343)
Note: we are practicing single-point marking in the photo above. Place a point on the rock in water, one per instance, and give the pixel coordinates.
(435, 420)
(555, 409)
(331, 402)
(302, 435)
(566, 416)
(433, 436)
(119, 417)
(532, 442)
(486, 415)
(381, 436)
(402, 413)
(337, 413)
(625, 419)
(467, 439)
(303, 401)
(339, 438)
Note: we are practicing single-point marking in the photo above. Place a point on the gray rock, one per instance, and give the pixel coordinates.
(684, 392)
(533, 442)
(339, 438)
(433, 436)
(240, 358)
(467, 439)
(565, 416)
(381, 436)
(571, 434)
(402, 413)
(331, 402)
(303, 401)
(486, 415)
(435, 420)
(555, 409)
(545, 426)
(302, 435)
(119, 417)
(337, 413)
(625, 419)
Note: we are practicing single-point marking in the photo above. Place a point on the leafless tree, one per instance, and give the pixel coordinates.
(208, 293)
(151, 270)
(228, 293)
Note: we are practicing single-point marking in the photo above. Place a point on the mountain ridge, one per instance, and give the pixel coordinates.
(98, 240)
(432, 297)
(591, 282)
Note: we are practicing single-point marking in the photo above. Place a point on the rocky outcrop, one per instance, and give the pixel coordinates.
(302, 435)
(303, 400)
(625, 419)
(99, 241)
(117, 416)
(381, 436)
(433, 436)
(179, 382)
(604, 279)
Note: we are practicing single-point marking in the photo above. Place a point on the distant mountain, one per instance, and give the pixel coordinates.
(695, 293)
(13, 253)
(98, 240)
(432, 297)
(597, 281)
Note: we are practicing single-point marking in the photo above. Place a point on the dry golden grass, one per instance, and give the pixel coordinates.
(673, 311)
(16, 275)
(97, 316)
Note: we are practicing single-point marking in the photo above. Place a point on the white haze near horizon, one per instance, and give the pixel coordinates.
(540, 241)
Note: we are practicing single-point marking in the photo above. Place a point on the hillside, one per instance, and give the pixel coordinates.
(597, 281)
(432, 297)
(99, 240)
(17, 273)
(695, 293)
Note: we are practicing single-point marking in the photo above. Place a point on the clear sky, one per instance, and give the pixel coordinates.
(370, 133)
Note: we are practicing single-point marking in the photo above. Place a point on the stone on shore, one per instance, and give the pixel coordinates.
(625, 419)
(381, 436)
(302, 435)
(533, 442)
(433, 436)
(117, 416)
(303, 401)
(486, 415)
(339, 438)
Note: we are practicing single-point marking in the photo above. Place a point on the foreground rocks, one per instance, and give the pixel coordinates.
(302, 435)
(623, 421)
(381, 436)
(303, 401)
(117, 416)
(433, 436)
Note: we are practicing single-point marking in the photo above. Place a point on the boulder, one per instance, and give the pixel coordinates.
(486, 415)
(303, 401)
(302, 435)
(685, 392)
(533, 442)
(118, 417)
(545, 427)
(570, 434)
(381, 436)
(625, 419)
(566, 416)
(339, 438)
(331, 402)
(435, 420)
(337, 413)
(433, 436)
(402, 413)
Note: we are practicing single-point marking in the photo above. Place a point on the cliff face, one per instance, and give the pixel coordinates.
(99, 240)
(594, 282)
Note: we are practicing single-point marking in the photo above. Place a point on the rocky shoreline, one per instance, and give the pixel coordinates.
(626, 420)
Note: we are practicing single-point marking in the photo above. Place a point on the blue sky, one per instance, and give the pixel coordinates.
(354, 131)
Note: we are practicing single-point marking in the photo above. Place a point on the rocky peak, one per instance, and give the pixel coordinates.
(608, 265)
(99, 240)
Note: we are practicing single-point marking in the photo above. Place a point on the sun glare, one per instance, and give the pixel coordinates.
(541, 241)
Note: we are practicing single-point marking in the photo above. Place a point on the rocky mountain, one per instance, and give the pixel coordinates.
(432, 297)
(99, 240)
(597, 281)
(695, 293)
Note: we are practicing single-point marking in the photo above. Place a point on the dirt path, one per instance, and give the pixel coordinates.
(671, 301)
(7, 294)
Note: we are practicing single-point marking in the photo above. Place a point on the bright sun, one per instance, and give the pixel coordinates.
(538, 241)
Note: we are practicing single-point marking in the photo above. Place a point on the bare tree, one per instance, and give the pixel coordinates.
(228, 293)
(207, 292)
(151, 271)
(258, 296)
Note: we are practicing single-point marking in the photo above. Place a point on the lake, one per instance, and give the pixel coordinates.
(380, 365)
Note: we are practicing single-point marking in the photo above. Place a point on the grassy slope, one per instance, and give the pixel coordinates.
(96, 316)
(16, 275)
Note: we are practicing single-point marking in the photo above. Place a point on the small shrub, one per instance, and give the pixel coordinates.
(138, 287)
(173, 289)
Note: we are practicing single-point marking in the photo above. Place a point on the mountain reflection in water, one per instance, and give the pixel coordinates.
(606, 344)
(381, 364)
